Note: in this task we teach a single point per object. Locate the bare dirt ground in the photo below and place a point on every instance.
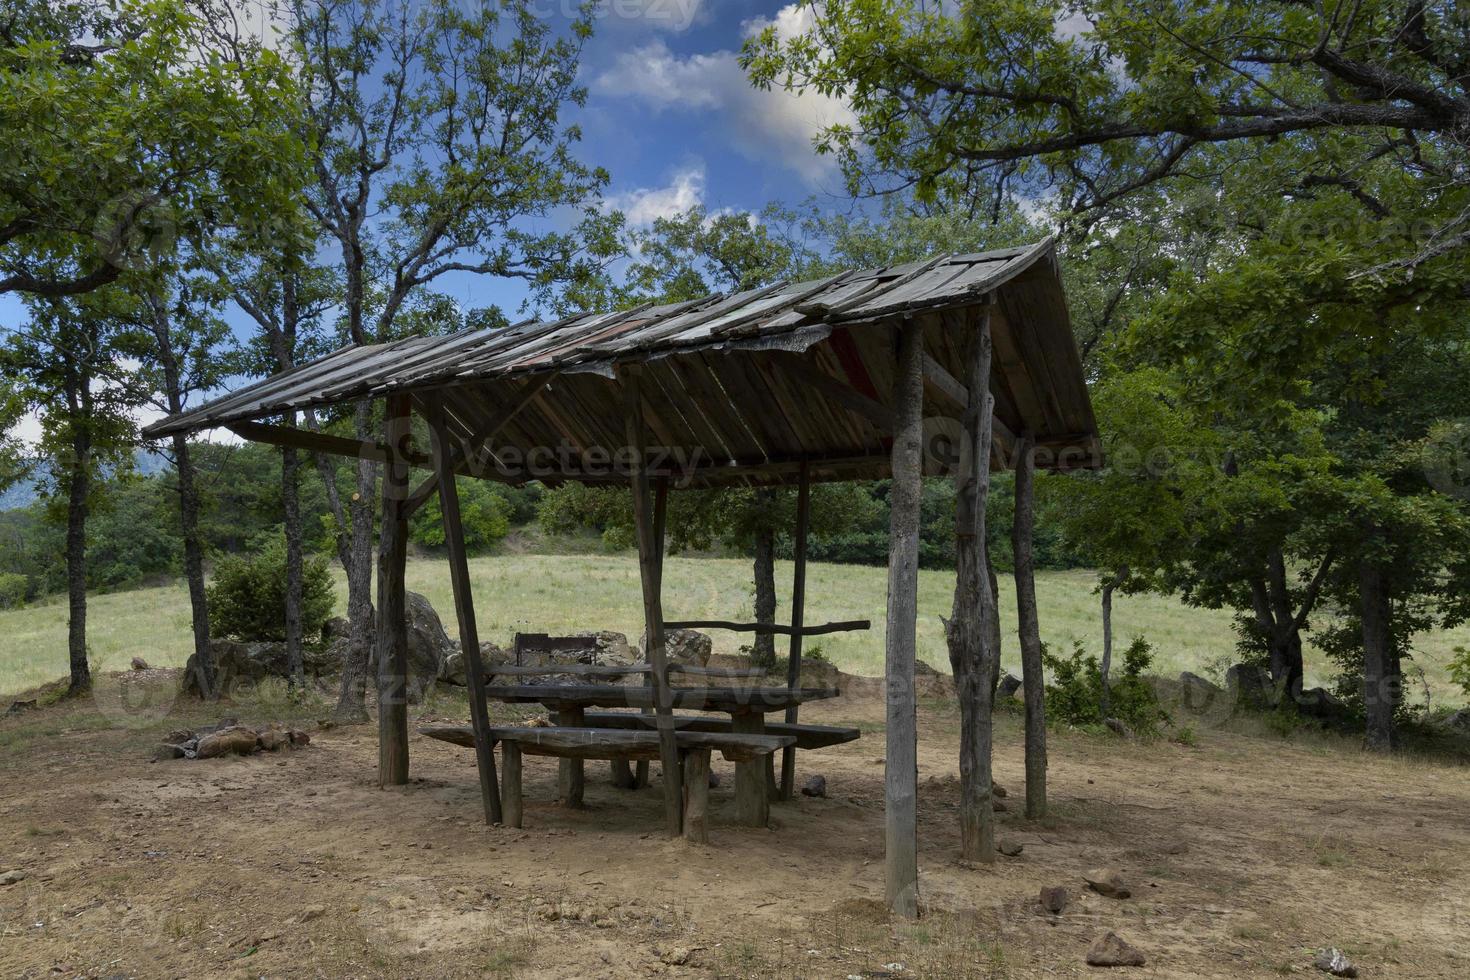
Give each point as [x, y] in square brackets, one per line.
[1245, 854]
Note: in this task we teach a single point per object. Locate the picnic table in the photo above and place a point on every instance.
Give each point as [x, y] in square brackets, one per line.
[746, 706]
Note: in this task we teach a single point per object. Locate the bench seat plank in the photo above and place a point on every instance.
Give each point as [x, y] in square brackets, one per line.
[807, 736]
[605, 743]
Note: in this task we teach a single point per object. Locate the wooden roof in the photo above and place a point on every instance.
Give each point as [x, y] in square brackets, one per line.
[748, 384]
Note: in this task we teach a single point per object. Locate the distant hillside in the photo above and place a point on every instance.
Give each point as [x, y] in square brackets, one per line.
[25, 493]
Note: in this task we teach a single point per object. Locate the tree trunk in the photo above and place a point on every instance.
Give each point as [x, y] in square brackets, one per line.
[1029, 629]
[1380, 680]
[194, 564]
[1107, 654]
[79, 486]
[392, 635]
[352, 700]
[291, 505]
[971, 630]
[763, 653]
[995, 634]
[901, 776]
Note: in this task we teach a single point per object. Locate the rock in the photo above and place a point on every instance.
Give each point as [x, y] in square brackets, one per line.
[677, 956]
[228, 741]
[178, 736]
[428, 647]
[167, 751]
[298, 738]
[1108, 882]
[1322, 704]
[139, 663]
[996, 789]
[1250, 686]
[1334, 962]
[1054, 898]
[1198, 694]
[16, 707]
[1117, 727]
[815, 786]
[1010, 848]
[311, 912]
[1459, 721]
[689, 647]
[996, 806]
[12, 877]
[1113, 950]
[1009, 685]
[714, 780]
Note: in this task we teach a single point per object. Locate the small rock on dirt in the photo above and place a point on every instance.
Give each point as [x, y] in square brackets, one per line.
[273, 740]
[1113, 950]
[16, 707]
[311, 912]
[1009, 685]
[139, 663]
[677, 956]
[1334, 962]
[996, 789]
[1010, 848]
[1117, 727]
[815, 786]
[998, 806]
[1108, 882]
[298, 738]
[1054, 898]
[12, 877]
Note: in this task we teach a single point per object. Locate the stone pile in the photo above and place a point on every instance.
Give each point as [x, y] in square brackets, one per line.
[229, 737]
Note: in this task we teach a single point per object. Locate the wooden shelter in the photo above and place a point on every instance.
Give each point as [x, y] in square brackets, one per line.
[853, 377]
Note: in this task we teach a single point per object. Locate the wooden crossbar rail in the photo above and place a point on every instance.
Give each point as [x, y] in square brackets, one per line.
[575, 670]
[775, 628]
[717, 671]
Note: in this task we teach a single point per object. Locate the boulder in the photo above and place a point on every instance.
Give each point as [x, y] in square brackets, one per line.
[1054, 898]
[237, 662]
[429, 646]
[168, 750]
[689, 647]
[12, 877]
[16, 707]
[1108, 882]
[1113, 950]
[1459, 721]
[1334, 962]
[1009, 685]
[1118, 727]
[815, 786]
[1322, 704]
[1250, 686]
[139, 663]
[1010, 848]
[1197, 694]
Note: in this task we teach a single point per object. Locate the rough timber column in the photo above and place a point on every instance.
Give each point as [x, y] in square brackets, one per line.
[900, 790]
[392, 600]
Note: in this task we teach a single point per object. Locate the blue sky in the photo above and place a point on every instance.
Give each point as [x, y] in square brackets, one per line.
[673, 120]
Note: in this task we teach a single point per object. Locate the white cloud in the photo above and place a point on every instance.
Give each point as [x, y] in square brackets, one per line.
[767, 126]
[665, 15]
[646, 204]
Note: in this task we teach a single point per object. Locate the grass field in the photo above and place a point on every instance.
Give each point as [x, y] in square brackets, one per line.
[569, 593]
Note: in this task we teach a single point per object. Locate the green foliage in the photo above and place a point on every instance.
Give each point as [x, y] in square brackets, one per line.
[13, 590]
[485, 517]
[1460, 668]
[1074, 696]
[247, 599]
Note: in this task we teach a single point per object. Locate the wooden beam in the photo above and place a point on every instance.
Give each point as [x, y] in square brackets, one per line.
[779, 629]
[1029, 629]
[838, 390]
[392, 639]
[798, 615]
[901, 778]
[958, 393]
[650, 566]
[464, 608]
[320, 442]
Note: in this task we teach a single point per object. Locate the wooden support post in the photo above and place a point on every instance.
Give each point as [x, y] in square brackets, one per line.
[798, 614]
[571, 773]
[1029, 628]
[696, 796]
[464, 608]
[510, 753]
[650, 567]
[660, 523]
[972, 629]
[752, 796]
[622, 774]
[392, 650]
[900, 796]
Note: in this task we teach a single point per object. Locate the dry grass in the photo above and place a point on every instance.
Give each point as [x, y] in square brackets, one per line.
[568, 593]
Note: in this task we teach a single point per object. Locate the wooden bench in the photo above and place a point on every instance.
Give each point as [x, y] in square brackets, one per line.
[807, 736]
[617, 745]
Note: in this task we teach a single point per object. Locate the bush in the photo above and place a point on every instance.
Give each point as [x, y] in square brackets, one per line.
[1075, 694]
[13, 589]
[485, 514]
[247, 599]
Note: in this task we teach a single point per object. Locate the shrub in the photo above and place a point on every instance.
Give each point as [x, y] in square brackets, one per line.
[13, 589]
[484, 515]
[1075, 694]
[247, 599]
[1460, 668]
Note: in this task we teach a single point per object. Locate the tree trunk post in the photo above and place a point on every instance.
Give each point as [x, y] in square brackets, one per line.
[696, 796]
[194, 566]
[901, 777]
[1380, 681]
[798, 619]
[392, 602]
[1105, 669]
[972, 629]
[763, 650]
[351, 705]
[650, 567]
[291, 507]
[80, 480]
[1029, 628]
[469, 635]
[660, 524]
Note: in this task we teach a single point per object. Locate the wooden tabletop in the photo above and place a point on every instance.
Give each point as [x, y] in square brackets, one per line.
[732, 700]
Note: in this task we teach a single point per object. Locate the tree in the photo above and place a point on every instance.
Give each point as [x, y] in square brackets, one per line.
[438, 144]
[68, 363]
[124, 126]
